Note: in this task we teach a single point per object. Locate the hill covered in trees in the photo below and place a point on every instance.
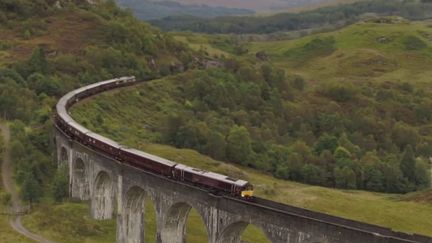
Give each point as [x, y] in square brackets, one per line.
[48, 49]
[358, 127]
[296, 110]
[323, 17]
[147, 9]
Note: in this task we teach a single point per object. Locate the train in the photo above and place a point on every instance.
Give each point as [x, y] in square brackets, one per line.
[213, 182]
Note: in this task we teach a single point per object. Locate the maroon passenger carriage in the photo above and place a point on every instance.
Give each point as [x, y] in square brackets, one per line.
[214, 182]
[147, 162]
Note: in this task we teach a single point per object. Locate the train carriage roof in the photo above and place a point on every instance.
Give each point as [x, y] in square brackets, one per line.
[61, 105]
[213, 175]
[78, 126]
[149, 156]
[104, 139]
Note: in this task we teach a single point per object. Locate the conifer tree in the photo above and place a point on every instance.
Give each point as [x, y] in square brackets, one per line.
[408, 164]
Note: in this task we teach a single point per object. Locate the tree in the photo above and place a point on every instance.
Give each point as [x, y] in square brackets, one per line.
[283, 171]
[422, 174]
[38, 62]
[343, 157]
[394, 181]
[216, 145]
[326, 142]
[408, 164]
[238, 145]
[31, 190]
[313, 174]
[346, 143]
[60, 185]
[404, 134]
[373, 179]
[345, 178]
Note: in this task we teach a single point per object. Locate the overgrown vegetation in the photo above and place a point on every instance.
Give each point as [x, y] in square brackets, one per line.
[79, 227]
[362, 135]
[342, 14]
[256, 117]
[31, 83]
[389, 210]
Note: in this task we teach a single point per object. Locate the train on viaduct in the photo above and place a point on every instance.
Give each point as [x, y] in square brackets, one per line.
[116, 180]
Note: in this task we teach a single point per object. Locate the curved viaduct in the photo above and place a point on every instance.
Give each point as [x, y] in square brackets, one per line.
[116, 190]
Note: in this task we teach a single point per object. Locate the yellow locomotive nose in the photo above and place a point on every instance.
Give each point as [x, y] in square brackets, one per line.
[248, 193]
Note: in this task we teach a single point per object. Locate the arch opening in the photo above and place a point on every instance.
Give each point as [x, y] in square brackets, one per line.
[134, 215]
[150, 220]
[243, 232]
[184, 224]
[103, 199]
[80, 186]
[139, 217]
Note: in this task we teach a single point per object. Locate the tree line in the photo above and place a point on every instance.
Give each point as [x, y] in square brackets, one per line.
[328, 16]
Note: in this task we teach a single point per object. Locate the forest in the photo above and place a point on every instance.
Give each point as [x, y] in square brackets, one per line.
[329, 16]
[266, 119]
[367, 136]
[33, 81]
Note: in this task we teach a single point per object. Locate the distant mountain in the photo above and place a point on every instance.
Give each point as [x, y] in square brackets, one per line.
[147, 9]
[262, 5]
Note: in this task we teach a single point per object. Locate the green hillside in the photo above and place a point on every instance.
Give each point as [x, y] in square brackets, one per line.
[333, 17]
[383, 209]
[398, 50]
[345, 109]
[48, 48]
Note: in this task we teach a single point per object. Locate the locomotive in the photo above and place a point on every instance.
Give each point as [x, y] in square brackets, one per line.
[213, 182]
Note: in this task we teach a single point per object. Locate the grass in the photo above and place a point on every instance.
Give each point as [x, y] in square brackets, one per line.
[201, 42]
[106, 114]
[69, 223]
[7, 234]
[364, 51]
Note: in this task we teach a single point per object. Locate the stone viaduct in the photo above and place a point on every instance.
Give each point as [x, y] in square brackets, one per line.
[115, 190]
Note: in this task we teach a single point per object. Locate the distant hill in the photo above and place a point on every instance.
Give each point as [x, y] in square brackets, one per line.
[146, 10]
[262, 5]
[327, 16]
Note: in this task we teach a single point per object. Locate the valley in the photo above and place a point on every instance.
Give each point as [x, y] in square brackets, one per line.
[106, 113]
[335, 120]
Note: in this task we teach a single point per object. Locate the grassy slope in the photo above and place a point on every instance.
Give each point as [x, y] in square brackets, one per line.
[69, 222]
[143, 112]
[360, 55]
[61, 33]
